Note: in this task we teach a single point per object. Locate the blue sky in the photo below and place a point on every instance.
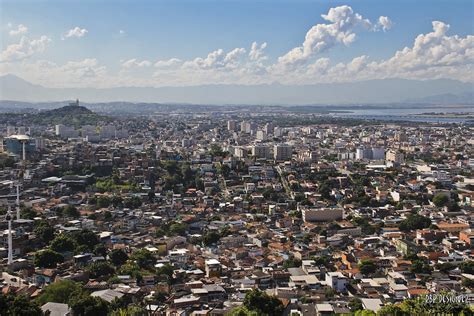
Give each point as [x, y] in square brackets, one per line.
[186, 30]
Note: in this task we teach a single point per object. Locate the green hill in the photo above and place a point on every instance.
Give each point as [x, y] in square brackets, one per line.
[68, 110]
[75, 115]
[72, 115]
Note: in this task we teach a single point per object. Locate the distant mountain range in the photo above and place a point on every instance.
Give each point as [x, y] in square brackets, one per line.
[447, 98]
[440, 91]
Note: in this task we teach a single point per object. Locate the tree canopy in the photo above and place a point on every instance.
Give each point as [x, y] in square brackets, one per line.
[63, 243]
[413, 222]
[101, 269]
[440, 199]
[86, 305]
[118, 257]
[144, 258]
[422, 306]
[262, 303]
[367, 267]
[59, 292]
[18, 305]
[48, 258]
[44, 231]
[86, 237]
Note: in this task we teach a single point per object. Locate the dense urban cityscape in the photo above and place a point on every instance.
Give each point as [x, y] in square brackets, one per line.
[231, 213]
[236, 158]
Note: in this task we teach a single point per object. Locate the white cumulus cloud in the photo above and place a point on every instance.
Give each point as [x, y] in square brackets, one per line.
[131, 63]
[385, 23]
[20, 30]
[75, 32]
[25, 48]
[172, 62]
[434, 49]
[257, 52]
[343, 22]
[217, 59]
[434, 54]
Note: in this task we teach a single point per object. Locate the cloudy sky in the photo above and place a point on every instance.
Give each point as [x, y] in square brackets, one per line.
[180, 43]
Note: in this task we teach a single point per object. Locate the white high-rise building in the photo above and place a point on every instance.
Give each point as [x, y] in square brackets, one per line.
[22, 130]
[231, 125]
[282, 152]
[186, 142]
[11, 130]
[261, 151]
[245, 127]
[373, 153]
[64, 131]
[248, 127]
[240, 152]
[268, 128]
[261, 135]
[58, 129]
[395, 156]
[378, 153]
[360, 153]
[277, 132]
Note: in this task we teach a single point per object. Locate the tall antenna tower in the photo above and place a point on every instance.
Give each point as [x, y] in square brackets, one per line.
[10, 241]
[18, 201]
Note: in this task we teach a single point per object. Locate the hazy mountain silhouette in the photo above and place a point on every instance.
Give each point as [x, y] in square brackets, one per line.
[447, 98]
[372, 91]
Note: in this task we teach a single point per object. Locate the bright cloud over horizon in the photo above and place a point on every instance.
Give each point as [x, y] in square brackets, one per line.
[342, 46]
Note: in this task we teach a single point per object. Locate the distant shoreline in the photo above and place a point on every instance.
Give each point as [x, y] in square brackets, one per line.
[465, 115]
